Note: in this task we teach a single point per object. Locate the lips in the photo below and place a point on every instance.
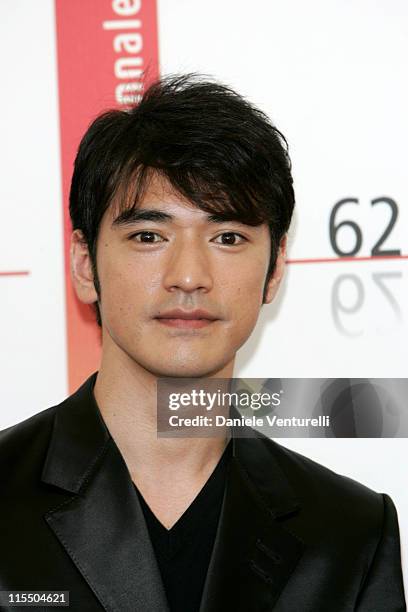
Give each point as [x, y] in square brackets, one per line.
[186, 319]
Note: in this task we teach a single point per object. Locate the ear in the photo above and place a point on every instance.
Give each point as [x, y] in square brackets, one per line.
[274, 281]
[81, 269]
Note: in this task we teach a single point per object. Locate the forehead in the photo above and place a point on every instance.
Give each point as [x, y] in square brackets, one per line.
[158, 194]
[159, 201]
[155, 200]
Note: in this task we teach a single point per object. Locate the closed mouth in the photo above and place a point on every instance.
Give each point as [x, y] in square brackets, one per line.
[192, 319]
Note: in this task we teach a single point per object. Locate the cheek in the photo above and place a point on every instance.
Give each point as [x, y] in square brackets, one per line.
[243, 291]
[125, 291]
[245, 284]
[128, 275]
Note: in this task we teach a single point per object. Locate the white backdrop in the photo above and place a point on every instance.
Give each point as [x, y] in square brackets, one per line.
[332, 76]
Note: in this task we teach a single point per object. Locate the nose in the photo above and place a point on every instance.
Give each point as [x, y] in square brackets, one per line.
[188, 268]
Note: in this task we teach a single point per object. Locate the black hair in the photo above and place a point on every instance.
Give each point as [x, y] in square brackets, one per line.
[214, 147]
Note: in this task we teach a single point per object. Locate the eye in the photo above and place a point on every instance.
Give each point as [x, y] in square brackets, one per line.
[146, 237]
[231, 238]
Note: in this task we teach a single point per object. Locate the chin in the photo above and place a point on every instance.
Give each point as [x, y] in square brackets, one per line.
[178, 370]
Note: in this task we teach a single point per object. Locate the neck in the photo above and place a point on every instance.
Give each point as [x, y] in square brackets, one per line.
[126, 394]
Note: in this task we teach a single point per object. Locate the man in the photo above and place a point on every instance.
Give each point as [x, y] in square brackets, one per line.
[180, 209]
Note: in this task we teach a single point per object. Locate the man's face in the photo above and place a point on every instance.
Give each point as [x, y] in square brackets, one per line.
[172, 256]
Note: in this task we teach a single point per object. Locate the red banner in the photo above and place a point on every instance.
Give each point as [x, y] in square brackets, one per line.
[107, 54]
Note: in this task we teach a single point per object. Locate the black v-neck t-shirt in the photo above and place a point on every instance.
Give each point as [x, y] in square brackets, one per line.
[183, 552]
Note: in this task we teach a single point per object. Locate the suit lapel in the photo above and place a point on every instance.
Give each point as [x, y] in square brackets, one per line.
[253, 555]
[102, 526]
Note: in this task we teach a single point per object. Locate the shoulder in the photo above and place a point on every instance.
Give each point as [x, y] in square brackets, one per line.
[349, 528]
[25, 430]
[25, 444]
[326, 494]
[336, 511]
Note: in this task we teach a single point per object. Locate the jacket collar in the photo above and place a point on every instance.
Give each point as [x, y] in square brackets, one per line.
[253, 554]
[254, 454]
[79, 438]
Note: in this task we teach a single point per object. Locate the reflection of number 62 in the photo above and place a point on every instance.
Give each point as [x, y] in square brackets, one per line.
[338, 307]
[376, 250]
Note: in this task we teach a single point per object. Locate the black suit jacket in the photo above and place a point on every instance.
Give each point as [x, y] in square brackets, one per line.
[293, 536]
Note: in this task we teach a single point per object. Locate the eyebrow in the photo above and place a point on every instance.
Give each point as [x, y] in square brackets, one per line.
[138, 215]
